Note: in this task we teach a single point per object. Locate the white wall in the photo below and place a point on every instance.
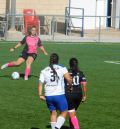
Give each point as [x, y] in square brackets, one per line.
[91, 8]
[118, 14]
[101, 10]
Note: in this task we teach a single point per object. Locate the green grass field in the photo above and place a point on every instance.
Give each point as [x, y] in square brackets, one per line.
[20, 107]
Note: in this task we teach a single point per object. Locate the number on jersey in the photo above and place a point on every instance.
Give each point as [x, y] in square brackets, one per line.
[53, 77]
[76, 80]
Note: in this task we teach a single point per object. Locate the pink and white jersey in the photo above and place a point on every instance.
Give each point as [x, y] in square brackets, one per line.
[32, 43]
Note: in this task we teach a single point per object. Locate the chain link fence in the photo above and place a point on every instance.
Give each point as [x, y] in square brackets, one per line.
[53, 28]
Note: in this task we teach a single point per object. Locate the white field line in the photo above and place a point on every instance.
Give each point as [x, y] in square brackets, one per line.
[112, 62]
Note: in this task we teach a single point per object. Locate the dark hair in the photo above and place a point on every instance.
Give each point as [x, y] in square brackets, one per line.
[54, 58]
[29, 30]
[73, 62]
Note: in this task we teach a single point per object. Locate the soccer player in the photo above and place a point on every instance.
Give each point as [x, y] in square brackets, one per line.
[76, 94]
[29, 53]
[52, 77]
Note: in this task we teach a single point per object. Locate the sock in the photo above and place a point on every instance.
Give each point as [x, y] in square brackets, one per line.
[71, 126]
[27, 72]
[10, 64]
[53, 125]
[60, 122]
[75, 123]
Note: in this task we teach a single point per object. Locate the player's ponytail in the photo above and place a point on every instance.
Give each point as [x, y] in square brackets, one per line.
[73, 62]
[54, 60]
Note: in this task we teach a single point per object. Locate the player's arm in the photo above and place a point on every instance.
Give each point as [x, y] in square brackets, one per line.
[43, 50]
[84, 89]
[42, 47]
[40, 87]
[68, 78]
[19, 44]
[83, 83]
[15, 47]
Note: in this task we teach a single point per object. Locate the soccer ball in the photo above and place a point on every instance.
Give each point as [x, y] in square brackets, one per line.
[15, 75]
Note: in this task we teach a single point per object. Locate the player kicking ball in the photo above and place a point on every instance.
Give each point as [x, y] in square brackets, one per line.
[76, 94]
[52, 78]
[29, 53]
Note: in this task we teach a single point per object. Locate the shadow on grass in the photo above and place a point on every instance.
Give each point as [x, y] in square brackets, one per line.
[21, 76]
[30, 76]
[34, 128]
[63, 127]
[5, 76]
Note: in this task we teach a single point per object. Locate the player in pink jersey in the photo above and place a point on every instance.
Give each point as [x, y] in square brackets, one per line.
[29, 53]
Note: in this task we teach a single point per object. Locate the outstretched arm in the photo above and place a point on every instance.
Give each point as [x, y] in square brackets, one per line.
[16, 46]
[19, 44]
[43, 50]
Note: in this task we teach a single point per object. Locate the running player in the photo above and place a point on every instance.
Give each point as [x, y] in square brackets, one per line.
[52, 77]
[29, 53]
[76, 94]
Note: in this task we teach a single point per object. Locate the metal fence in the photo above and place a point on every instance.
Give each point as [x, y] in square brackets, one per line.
[53, 28]
[3, 26]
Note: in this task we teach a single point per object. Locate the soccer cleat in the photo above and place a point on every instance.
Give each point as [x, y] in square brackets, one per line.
[4, 66]
[25, 78]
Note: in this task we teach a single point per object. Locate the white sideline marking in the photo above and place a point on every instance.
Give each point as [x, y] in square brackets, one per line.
[112, 62]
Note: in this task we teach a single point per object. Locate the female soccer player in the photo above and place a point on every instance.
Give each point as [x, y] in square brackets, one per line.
[52, 77]
[29, 53]
[76, 94]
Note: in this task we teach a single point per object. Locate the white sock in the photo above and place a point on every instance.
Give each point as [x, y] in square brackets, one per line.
[53, 125]
[60, 122]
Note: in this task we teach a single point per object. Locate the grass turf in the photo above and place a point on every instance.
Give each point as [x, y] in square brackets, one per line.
[20, 107]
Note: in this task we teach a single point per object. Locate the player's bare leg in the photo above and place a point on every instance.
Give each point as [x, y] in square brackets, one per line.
[53, 119]
[29, 61]
[61, 120]
[18, 62]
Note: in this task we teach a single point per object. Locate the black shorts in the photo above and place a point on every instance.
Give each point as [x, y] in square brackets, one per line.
[74, 100]
[25, 55]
